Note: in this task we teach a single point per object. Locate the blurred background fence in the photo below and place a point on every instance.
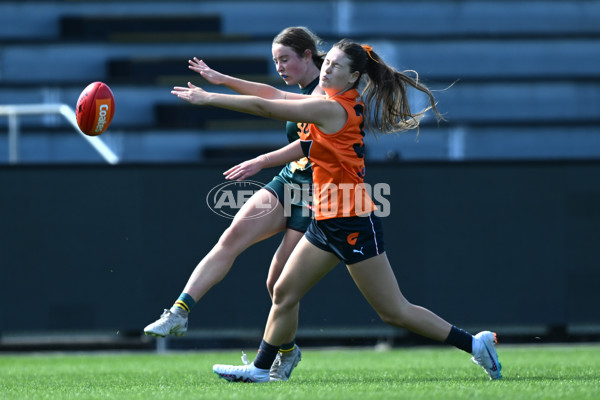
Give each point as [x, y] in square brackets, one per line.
[511, 246]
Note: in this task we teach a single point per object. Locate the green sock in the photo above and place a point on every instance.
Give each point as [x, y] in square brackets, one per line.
[185, 302]
[287, 347]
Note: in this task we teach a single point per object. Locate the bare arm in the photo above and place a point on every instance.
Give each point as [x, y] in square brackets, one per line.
[240, 86]
[291, 152]
[329, 115]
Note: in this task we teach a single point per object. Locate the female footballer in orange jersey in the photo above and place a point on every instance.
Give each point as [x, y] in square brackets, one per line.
[297, 60]
[333, 142]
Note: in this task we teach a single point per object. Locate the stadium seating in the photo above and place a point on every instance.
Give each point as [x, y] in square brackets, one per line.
[524, 76]
[138, 28]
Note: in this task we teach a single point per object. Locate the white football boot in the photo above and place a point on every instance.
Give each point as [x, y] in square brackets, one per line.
[284, 364]
[247, 373]
[173, 321]
[484, 354]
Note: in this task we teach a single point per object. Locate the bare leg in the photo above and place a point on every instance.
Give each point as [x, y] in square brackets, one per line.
[377, 282]
[289, 242]
[243, 232]
[306, 266]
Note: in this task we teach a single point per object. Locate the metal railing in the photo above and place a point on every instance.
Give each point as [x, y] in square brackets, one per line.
[14, 111]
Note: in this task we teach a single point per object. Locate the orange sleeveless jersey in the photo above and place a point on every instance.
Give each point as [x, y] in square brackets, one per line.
[338, 164]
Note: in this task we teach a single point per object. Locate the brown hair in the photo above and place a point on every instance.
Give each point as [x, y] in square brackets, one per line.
[299, 39]
[385, 90]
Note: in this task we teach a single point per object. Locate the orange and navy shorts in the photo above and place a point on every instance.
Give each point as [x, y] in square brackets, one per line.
[351, 239]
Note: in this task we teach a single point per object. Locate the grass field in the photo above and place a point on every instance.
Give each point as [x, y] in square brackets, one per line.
[529, 372]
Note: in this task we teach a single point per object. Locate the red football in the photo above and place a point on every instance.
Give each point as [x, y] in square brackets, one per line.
[95, 108]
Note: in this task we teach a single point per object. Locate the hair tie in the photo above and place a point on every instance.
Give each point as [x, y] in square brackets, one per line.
[369, 49]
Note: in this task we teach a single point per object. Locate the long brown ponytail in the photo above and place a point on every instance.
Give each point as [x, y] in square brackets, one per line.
[385, 93]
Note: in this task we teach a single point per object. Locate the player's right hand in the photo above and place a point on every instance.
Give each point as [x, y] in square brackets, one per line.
[245, 169]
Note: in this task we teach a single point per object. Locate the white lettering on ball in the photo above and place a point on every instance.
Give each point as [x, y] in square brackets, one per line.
[102, 117]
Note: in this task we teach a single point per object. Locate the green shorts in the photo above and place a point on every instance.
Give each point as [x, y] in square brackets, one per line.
[287, 186]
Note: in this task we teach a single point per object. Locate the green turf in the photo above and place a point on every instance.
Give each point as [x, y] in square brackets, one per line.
[530, 372]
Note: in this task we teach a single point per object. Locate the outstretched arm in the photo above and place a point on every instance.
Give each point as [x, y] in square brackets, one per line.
[240, 86]
[308, 109]
[291, 152]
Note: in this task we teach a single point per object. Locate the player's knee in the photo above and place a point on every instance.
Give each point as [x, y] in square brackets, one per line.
[274, 274]
[282, 298]
[392, 319]
[271, 286]
[397, 316]
[235, 239]
[230, 236]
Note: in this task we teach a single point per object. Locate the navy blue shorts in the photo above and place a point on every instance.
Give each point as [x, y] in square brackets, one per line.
[351, 239]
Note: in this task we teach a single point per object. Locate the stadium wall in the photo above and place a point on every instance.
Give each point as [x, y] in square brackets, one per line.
[483, 244]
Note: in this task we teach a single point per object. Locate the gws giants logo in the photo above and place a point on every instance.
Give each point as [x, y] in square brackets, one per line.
[351, 239]
[227, 198]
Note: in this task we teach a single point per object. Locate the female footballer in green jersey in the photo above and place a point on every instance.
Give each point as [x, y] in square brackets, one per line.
[298, 62]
